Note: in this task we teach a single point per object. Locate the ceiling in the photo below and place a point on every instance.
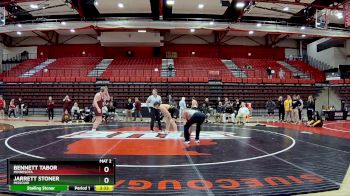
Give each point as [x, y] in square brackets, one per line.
[263, 10]
[284, 12]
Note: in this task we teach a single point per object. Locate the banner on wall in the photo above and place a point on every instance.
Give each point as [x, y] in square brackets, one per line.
[347, 13]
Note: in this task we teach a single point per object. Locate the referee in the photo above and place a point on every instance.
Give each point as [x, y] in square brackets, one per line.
[155, 115]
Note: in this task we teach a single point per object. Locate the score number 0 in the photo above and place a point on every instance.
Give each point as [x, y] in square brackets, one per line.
[106, 170]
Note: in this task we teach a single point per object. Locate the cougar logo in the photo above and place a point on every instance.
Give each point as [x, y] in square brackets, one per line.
[137, 141]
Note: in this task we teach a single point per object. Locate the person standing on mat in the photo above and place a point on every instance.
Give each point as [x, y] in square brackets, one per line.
[12, 108]
[99, 98]
[155, 115]
[280, 104]
[310, 107]
[2, 108]
[138, 108]
[67, 104]
[169, 112]
[50, 106]
[191, 117]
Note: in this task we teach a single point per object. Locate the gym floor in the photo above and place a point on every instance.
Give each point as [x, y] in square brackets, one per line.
[255, 159]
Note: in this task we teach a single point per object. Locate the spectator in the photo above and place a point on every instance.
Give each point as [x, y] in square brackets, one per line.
[310, 107]
[183, 106]
[300, 107]
[112, 101]
[75, 111]
[67, 104]
[205, 110]
[2, 108]
[237, 105]
[270, 107]
[288, 109]
[171, 101]
[242, 114]
[228, 111]
[137, 106]
[269, 73]
[194, 104]
[50, 107]
[12, 108]
[282, 74]
[111, 111]
[128, 112]
[280, 103]
[217, 102]
[104, 110]
[20, 107]
[295, 109]
[66, 118]
[219, 112]
[316, 120]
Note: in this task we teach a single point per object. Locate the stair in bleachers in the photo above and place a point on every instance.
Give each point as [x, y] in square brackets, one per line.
[100, 68]
[295, 71]
[235, 70]
[38, 68]
[165, 71]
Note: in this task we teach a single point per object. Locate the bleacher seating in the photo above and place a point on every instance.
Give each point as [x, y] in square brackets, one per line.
[259, 67]
[314, 73]
[22, 68]
[133, 69]
[73, 69]
[342, 87]
[199, 69]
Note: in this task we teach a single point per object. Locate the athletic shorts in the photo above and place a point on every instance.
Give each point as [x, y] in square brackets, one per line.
[96, 112]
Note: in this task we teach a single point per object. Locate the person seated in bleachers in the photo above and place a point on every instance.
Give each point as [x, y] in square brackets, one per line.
[75, 111]
[269, 73]
[316, 120]
[242, 115]
[66, 118]
[219, 112]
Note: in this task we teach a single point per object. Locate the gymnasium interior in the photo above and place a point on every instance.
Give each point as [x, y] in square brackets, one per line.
[213, 54]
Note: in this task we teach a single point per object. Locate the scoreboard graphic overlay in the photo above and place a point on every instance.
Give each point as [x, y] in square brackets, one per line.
[61, 175]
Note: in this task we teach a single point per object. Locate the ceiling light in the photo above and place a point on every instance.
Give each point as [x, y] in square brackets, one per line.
[251, 32]
[193, 30]
[200, 6]
[258, 25]
[63, 23]
[72, 30]
[303, 35]
[339, 15]
[19, 25]
[286, 9]
[211, 22]
[170, 2]
[120, 5]
[96, 3]
[240, 5]
[34, 6]
[302, 28]
[19, 33]
[142, 31]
